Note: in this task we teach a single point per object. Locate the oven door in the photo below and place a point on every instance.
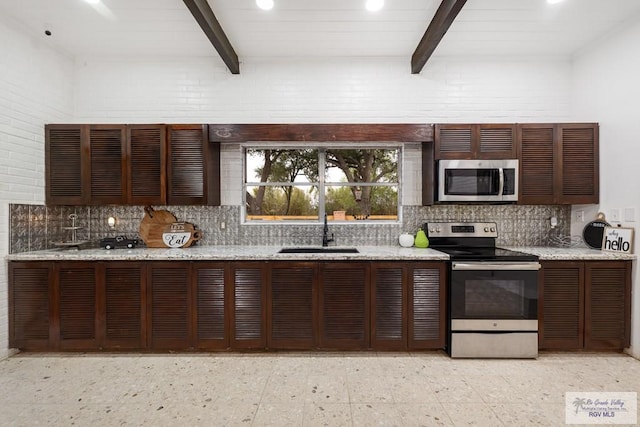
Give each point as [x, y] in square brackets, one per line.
[493, 309]
[506, 291]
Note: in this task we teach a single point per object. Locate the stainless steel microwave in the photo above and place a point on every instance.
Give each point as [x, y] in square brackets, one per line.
[478, 180]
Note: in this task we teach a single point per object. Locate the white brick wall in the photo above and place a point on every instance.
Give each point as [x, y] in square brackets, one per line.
[36, 87]
[332, 90]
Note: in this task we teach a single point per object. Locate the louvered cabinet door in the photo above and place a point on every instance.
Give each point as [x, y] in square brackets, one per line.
[607, 305]
[76, 289]
[65, 171]
[455, 141]
[212, 319]
[561, 305]
[169, 306]
[29, 305]
[344, 305]
[123, 306]
[248, 317]
[146, 154]
[497, 141]
[389, 302]
[186, 167]
[579, 163]
[427, 306]
[291, 306]
[107, 172]
[536, 151]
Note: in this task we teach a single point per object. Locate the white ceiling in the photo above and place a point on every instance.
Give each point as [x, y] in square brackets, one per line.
[319, 28]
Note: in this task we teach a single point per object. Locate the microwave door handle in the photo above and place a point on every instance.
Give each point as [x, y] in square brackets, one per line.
[501, 183]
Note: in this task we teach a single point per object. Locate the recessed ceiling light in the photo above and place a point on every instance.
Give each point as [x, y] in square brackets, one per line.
[553, 1]
[92, 1]
[374, 5]
[265, 4]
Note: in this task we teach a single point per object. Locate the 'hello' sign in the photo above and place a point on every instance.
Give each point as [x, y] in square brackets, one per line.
[617, 239]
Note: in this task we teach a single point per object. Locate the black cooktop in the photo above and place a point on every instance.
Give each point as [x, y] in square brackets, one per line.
[471, 241]
[461, 253]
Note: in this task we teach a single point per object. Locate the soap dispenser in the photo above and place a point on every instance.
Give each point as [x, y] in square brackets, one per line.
[421, 239]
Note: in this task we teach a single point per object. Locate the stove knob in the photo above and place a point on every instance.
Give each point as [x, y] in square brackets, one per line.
[493, 229]
[486, 229]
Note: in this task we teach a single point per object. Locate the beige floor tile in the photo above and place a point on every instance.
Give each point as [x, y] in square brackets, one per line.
[368, 387]
[418, 415]
[327, 388]
[376, 414]
[327, 414]
[246, 389]
[279, 415]
[473, 414]
[332, 389]
[454, 388]
[285, 388]
[411, 388]
[496, 389]
[526, 414]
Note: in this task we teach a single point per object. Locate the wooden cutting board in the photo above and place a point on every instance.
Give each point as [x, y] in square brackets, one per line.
[153, 224]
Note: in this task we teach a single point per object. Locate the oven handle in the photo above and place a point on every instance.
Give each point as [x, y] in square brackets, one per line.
[503, 266]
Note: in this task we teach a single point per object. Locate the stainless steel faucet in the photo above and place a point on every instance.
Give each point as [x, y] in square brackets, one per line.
[325, 233]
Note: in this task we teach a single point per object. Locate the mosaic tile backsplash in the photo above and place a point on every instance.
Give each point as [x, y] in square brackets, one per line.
[37, 227]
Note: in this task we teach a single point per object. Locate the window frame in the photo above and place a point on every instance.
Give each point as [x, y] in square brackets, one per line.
[322, 183]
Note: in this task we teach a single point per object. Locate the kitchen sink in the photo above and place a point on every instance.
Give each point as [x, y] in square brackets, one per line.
[318, 250]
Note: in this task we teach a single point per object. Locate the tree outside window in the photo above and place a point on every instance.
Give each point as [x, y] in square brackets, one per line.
[355, 184]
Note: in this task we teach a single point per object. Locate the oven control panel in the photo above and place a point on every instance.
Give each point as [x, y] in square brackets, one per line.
[461, 229]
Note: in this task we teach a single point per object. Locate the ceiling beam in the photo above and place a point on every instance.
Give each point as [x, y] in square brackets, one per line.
[205, 17]
[442, 20]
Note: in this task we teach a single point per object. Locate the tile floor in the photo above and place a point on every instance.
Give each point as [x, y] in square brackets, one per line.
[301, 389]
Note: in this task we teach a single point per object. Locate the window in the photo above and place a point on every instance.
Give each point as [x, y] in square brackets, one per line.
[358, 183]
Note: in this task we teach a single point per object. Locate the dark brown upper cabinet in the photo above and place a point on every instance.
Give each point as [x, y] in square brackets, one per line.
[146, 166]
[193, 166]
[131, 165]
[558, 163]
[65, 172]
[475, 141]
[107, 157]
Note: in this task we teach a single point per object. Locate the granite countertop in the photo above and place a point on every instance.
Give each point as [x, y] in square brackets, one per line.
[251, 253]
[227, 253]
[576, 254]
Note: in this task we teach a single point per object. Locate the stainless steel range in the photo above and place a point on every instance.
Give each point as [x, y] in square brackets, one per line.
[492, 292]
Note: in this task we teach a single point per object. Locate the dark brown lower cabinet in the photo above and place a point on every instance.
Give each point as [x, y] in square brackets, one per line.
[75, 285]
[30, 305]
[344, 305]
[389, 302]
[585, 305]
[202, 305]
[427, 307]
[121, 315]
[409, 305]
[169, 307]
[248, 301]
[211, 319]
[292, 301]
